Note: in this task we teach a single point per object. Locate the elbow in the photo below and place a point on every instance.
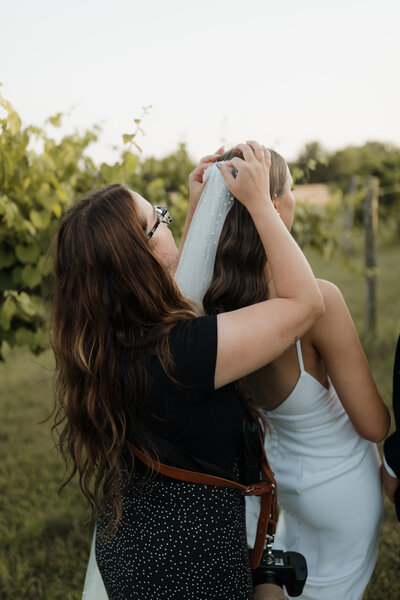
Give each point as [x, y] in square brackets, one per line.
[385, 427]
[380, 429]
[320, 306]
[376, 438]
[316, 306]
[310, 309]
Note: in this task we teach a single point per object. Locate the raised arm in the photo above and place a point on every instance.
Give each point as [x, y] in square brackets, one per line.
[335, 338]
[253, 336]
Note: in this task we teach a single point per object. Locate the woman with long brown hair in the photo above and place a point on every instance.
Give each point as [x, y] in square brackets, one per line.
[322, 407]
[136, 369]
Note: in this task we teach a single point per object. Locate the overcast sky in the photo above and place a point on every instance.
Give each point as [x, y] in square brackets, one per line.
[283, 72]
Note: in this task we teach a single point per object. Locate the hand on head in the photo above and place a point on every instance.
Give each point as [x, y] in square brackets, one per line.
[251, 184]
[196, 183]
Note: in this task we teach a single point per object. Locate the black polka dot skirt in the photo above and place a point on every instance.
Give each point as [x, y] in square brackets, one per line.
[177, 541]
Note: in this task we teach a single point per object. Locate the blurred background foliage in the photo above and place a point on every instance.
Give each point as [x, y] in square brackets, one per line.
[42, 177]
[44, 539]
[374, 159]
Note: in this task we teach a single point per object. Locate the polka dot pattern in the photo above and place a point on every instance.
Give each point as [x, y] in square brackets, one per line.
[177, 540]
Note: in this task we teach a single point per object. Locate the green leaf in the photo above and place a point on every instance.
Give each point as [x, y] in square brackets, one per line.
[24, 337]
[6, 281]
[62, 195]
[45, 265]
[311, 164]
[16, 275]
[55, 120]
[28, 226]
[128, 137]
[8, 310]
[14, 123]
[40, 219]
[10, 211]
[6, 259]
[27, 254]
[31, 276]
[4, 350]
[130, 162]
[47, 200]
[26, 305]
[57, 210]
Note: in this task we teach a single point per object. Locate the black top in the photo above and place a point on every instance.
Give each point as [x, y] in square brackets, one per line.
[391, 446]
[192, 415]
[392, 443]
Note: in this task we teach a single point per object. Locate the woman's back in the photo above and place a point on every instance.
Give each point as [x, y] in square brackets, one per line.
[313, 424]
[330, 349]
[281, 376]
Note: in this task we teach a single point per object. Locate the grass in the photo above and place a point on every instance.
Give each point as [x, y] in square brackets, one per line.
[45, 539]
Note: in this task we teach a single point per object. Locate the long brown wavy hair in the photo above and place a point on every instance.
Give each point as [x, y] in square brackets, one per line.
[238, 278]
[114, 305]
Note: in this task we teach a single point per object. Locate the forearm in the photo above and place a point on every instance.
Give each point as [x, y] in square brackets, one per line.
[268, 591]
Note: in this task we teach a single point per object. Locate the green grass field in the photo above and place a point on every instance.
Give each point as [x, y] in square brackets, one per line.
[45, 539]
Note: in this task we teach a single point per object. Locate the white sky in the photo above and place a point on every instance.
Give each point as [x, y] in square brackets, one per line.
[284, 72]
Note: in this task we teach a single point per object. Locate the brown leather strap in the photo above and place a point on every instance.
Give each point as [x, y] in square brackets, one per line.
[256, 489]
[269, 475]
[266, 489]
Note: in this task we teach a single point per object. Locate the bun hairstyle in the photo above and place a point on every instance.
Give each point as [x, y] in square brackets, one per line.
[239, 270]
[114, 304]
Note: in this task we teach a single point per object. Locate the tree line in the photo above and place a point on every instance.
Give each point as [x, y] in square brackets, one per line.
[40, 178]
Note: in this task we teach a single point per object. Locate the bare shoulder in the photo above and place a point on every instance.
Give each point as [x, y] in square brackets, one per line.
[335, 304]
[330, 292]
[336, 317]
[335, 338]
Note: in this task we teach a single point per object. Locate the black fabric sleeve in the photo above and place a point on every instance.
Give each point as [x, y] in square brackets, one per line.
[194, 348]
[392, 452]
[391, 445]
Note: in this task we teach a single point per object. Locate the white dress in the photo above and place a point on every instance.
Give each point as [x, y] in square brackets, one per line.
[329, 490]
[94, 587]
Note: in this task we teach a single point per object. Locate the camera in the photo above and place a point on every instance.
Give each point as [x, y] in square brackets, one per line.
[287, 569]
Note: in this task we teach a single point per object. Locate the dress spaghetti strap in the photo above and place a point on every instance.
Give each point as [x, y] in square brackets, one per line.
[300, 356]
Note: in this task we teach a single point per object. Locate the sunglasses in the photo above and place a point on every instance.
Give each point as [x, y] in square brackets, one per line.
[163, 216]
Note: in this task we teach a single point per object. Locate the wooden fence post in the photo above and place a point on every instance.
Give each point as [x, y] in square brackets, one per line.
[349, 215]
[371, 228]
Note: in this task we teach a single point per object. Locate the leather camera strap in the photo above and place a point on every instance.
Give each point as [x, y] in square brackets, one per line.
[266, 489]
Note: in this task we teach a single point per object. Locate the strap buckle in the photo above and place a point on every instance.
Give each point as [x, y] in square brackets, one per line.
[258, 489]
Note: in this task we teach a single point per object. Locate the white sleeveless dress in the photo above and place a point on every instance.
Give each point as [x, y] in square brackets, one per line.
[329, 490]
[93, 588]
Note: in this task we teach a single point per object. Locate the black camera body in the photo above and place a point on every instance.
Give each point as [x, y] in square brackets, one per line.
[287, 569]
